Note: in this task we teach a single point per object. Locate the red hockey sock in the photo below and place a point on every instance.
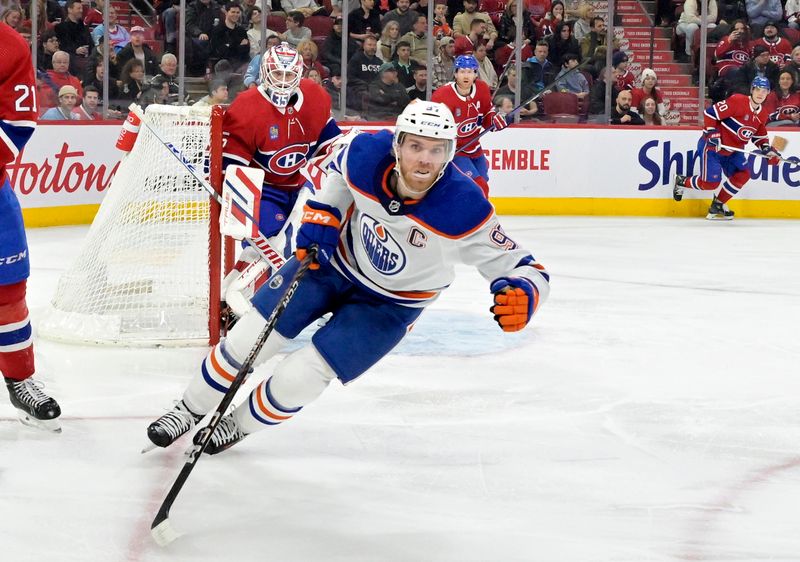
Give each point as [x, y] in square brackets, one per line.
[16, 343]
[696, 182]
[724, 196]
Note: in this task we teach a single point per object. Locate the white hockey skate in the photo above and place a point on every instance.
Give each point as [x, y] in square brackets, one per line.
[226, 435]
[168, 428]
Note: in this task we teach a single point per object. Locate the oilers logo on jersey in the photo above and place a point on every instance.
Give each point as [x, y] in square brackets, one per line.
[384, 253]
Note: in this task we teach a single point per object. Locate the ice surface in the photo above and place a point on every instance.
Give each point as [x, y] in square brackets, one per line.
[651, 413]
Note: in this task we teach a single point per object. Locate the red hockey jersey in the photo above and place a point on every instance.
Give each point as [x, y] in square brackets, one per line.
[779, 107]
[256, 133]
[780, 51]
[18, 109]
[737, 121]
[471, 112]
[731, 55]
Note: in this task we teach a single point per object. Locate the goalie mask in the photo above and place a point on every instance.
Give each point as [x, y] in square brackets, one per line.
[281, 72]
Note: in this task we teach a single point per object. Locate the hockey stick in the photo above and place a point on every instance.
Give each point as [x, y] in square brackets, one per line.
[259, 242]
[161, 529]
[791, 160]
[517, 109]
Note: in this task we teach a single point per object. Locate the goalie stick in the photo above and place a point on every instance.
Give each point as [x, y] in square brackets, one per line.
[161, 529]
[259, 242]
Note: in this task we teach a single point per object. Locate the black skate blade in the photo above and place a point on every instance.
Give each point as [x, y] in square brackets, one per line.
[52, 426]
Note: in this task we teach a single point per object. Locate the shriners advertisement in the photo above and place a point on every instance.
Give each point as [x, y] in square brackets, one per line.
[65, 165]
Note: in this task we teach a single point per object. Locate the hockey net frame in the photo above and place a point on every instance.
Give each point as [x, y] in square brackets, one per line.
[115, 293]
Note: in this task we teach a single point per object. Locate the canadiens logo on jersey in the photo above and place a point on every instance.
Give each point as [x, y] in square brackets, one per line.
[288, 160]
[745, 133]
[468, 126]
[384, 253]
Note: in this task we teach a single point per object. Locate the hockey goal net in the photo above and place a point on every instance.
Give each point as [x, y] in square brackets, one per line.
[150, 268]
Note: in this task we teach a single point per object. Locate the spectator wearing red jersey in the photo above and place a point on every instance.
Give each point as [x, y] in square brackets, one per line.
[783, 103]
[465, 44]
[462, 23]
[547, 26]
[538, 10]
[624, 77]
[648, 90]
[94, 16]
[733, 51]
[50, 83]
[89, 110]
[780, 50]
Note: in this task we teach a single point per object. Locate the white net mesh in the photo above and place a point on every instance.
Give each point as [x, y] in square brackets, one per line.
[142, 277]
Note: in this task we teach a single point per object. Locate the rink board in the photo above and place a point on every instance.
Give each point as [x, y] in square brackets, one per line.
[63, 173]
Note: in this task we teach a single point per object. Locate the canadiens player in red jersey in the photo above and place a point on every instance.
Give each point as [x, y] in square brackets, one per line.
[470, 101]
[17, 122]
[277, 127]
[392, 221]
[729, 123]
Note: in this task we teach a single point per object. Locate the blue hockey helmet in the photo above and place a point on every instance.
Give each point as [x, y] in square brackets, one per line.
[465, 61]
[760, 82]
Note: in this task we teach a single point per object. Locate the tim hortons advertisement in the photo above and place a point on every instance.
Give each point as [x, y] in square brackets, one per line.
[67, 165]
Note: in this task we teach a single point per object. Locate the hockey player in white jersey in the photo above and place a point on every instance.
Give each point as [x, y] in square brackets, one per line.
[392, 220]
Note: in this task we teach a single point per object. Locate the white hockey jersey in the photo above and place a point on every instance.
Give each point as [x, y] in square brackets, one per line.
[405, 250]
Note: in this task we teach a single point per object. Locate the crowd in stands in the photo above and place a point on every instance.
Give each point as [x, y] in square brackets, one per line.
[746, 38]
[387, 52]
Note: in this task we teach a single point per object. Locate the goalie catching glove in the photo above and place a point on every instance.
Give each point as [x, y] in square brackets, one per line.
[514, 302]
[320, 228]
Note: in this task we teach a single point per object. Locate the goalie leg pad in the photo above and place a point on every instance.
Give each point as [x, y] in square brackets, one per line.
[225, 359]
[247, 276]
[16, 341]
[298, 380]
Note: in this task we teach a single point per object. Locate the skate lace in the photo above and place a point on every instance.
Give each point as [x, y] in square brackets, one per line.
[176, 422]
[30, 392]
[226, 431]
